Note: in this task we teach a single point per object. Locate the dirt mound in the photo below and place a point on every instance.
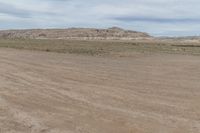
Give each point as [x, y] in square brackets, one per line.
[114, 33]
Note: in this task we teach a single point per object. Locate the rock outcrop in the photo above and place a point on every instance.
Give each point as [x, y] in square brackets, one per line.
[113, 33]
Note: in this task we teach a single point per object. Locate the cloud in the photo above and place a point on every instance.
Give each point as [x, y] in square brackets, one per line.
[12, 10]
[158, 17]
[156, 20]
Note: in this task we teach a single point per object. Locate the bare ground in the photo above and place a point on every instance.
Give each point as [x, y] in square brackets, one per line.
[44, 92]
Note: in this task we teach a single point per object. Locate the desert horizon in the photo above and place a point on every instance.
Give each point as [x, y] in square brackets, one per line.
[133, 67]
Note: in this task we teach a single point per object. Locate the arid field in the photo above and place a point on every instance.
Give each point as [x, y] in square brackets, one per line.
[62, 86]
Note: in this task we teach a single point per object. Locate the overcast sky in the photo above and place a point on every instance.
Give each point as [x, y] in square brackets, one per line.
[157, 17]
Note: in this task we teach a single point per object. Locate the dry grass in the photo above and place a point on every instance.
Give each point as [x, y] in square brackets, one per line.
[102, 48]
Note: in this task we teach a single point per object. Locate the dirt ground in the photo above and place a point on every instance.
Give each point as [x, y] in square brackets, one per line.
[43, 92]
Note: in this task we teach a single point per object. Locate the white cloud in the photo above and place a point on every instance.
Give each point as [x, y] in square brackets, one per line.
[158, 17]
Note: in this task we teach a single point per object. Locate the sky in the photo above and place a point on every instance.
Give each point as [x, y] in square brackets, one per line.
[156, 17]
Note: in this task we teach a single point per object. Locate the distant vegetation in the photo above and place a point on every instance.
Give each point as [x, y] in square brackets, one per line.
[102, 48]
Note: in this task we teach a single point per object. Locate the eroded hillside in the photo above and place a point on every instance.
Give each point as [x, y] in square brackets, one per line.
[75, 33]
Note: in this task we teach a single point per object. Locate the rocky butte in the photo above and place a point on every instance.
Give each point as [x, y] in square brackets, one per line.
[113, 33]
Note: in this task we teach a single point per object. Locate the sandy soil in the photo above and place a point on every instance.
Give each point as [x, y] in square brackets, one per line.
[44, 92]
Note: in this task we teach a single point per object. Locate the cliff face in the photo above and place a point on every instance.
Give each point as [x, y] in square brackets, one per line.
[75, 33]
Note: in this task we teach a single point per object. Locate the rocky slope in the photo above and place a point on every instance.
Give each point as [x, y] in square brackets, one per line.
[75, 33]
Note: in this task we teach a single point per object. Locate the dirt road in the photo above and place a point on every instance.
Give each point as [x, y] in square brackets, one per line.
[43, 92]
